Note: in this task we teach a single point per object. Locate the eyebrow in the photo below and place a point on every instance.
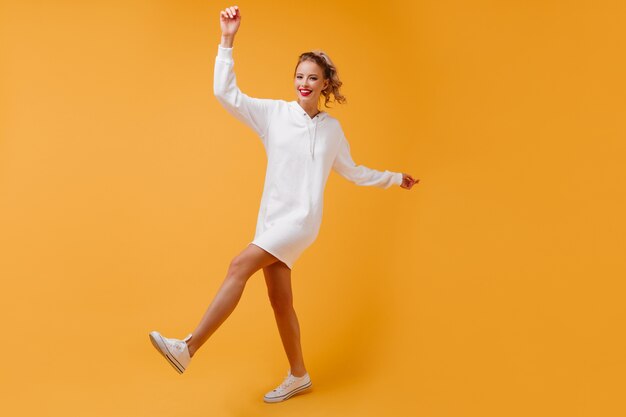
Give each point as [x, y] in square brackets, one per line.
[299, 73]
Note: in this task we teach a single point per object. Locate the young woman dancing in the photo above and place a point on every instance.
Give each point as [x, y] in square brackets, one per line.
[302, 144]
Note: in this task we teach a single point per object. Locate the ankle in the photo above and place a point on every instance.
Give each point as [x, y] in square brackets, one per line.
[191, 348]
[298, 372]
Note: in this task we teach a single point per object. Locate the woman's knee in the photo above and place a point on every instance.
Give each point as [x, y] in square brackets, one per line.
[281, 303]
[239, 269]
[250, 260]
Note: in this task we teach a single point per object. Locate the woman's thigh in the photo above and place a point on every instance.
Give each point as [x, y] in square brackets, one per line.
[251, 259]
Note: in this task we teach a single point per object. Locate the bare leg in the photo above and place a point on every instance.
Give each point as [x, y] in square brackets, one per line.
[278, 281]
[242, 267]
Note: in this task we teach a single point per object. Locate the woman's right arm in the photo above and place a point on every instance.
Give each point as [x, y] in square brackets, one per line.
[254, 112]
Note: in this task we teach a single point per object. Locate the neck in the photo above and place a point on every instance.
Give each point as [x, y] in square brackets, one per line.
[309, 108]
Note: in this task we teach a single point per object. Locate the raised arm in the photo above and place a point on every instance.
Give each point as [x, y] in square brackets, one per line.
[254, 112]
[362, 175]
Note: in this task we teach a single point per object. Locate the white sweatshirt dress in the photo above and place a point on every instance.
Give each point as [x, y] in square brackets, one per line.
[300, 154]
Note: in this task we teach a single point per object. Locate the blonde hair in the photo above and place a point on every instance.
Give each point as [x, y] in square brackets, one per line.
[330, 73]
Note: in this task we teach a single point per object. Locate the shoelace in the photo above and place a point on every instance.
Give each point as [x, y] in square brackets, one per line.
[177, 344]
[286, 383]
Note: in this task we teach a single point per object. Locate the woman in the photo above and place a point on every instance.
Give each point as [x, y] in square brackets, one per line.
[302, 144]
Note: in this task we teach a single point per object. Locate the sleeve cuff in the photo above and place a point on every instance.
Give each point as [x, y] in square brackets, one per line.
[225, 54]
[399, 177]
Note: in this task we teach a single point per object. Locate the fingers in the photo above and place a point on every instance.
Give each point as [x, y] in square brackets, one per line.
[230, 12]
[409, 181]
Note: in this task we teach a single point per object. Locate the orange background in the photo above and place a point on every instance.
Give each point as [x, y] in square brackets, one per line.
[495, 287]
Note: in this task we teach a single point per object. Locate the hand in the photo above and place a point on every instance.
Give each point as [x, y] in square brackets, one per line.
[408, 181]
[230, 19]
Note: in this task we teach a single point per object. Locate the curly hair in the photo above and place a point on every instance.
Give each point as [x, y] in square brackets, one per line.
[330, 73]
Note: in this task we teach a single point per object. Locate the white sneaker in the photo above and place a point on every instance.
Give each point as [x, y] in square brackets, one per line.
[175, 351]
[291, 386]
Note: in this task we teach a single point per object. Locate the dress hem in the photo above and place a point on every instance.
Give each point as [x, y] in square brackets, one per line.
[273, 253]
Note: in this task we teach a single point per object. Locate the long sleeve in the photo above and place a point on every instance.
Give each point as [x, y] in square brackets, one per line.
[359, 174]
[254, 112]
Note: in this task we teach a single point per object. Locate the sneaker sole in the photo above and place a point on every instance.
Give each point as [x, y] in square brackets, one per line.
[159, 344]
[291, 394]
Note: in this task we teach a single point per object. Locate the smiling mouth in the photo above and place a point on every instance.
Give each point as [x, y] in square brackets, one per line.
[305, 92]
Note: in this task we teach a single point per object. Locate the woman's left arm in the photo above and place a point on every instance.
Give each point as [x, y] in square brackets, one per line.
[362, 175]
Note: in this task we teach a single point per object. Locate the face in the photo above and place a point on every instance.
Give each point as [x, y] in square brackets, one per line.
[309, 77]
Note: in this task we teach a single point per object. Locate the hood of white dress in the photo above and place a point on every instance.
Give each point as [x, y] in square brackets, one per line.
[321, 115]
[311, 123]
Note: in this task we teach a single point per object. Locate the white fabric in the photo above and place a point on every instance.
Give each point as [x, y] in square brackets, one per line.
[301, 151]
